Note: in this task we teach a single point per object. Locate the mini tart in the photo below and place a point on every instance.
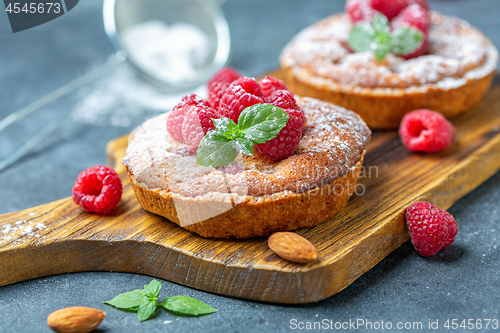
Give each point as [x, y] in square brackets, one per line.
[253, 196]
[451, 77]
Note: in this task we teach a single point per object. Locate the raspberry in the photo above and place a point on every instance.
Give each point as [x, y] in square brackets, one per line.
[359, 10]
[422, 3]
[288, 138]
[426, 131]
[176, 117]
[97, 189]
[414, 16]
[227, 74]
[271, 84]
[197, 122]
[241, 94]
[431, 228]
[215, 92]
[389, 8]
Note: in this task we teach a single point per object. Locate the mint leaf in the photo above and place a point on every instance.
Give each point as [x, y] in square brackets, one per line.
[381, 25]
[152, 290]
[244, 146]
[129, 301]
[381, 46]
[361, 37]
[187, 306]
[146, 310]
[406, 40]
[215, 150]
[227, 127]
[262, 122]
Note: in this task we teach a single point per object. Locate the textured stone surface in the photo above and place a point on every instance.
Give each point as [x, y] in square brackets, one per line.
[461, 282]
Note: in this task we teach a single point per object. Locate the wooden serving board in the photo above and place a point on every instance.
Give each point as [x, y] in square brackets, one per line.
[368, 229]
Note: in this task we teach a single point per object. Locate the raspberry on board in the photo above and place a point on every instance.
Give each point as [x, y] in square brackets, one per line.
[97, 189]
[227, 74]
[426, 131]
[241, 94]
[359, 10]
[176, 116]
[287, 140]
[215, 92]
[197, 123]
[431, 228]
[269, 85]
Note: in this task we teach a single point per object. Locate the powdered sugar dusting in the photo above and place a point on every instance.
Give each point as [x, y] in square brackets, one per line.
[20, 231]
[456, 53]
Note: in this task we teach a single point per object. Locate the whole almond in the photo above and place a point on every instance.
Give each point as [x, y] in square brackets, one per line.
[292, 247]
[77, 319]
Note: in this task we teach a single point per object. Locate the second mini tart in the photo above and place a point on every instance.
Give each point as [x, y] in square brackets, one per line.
[451, 77]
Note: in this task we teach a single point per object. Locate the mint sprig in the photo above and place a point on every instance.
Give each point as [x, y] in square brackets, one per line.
[377, 37]
[256, 124]
[145, 303]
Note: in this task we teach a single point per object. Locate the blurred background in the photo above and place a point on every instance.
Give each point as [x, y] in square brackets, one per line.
[37, 61]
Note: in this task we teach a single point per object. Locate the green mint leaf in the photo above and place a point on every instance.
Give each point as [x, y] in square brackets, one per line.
[215, 150]
[226, 127]
[187, 306]
[129, 301]
[152, 290]
[244, 146]
[406, 40]
[381, 47]
[146, 310]
[262, 122]
[361, 37]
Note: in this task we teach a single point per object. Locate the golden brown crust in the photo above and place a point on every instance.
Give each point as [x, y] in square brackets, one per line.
[260, 216]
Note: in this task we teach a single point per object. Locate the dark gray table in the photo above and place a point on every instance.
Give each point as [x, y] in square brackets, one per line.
[459, 283]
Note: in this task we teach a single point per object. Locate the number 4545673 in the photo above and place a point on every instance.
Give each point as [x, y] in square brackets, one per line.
[33, 8]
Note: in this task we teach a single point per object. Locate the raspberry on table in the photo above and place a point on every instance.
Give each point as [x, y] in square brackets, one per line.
[426, 131]
[287, 140]
[359, 10]
[197, 123]
[242, 93]
[227, 74]
[269, 85]
[215, 92]
[97, 189]
[431, 228]
[176, 116]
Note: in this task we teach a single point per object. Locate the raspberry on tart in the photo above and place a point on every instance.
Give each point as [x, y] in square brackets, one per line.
[426, 131]
[227, 74]
[197, 122]
[414, 16]
[176, 118]
[359, 10]
[269, 85]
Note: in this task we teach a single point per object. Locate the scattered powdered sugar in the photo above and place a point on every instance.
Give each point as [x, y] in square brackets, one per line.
[173, 53]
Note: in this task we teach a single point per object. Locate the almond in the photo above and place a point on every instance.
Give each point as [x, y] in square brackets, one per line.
[77, 319]
[292, 247]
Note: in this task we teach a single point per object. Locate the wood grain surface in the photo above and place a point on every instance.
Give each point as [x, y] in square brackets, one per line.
[60, 237]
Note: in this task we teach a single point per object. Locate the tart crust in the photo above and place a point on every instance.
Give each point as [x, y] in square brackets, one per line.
[452, 77]
[304, 190]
